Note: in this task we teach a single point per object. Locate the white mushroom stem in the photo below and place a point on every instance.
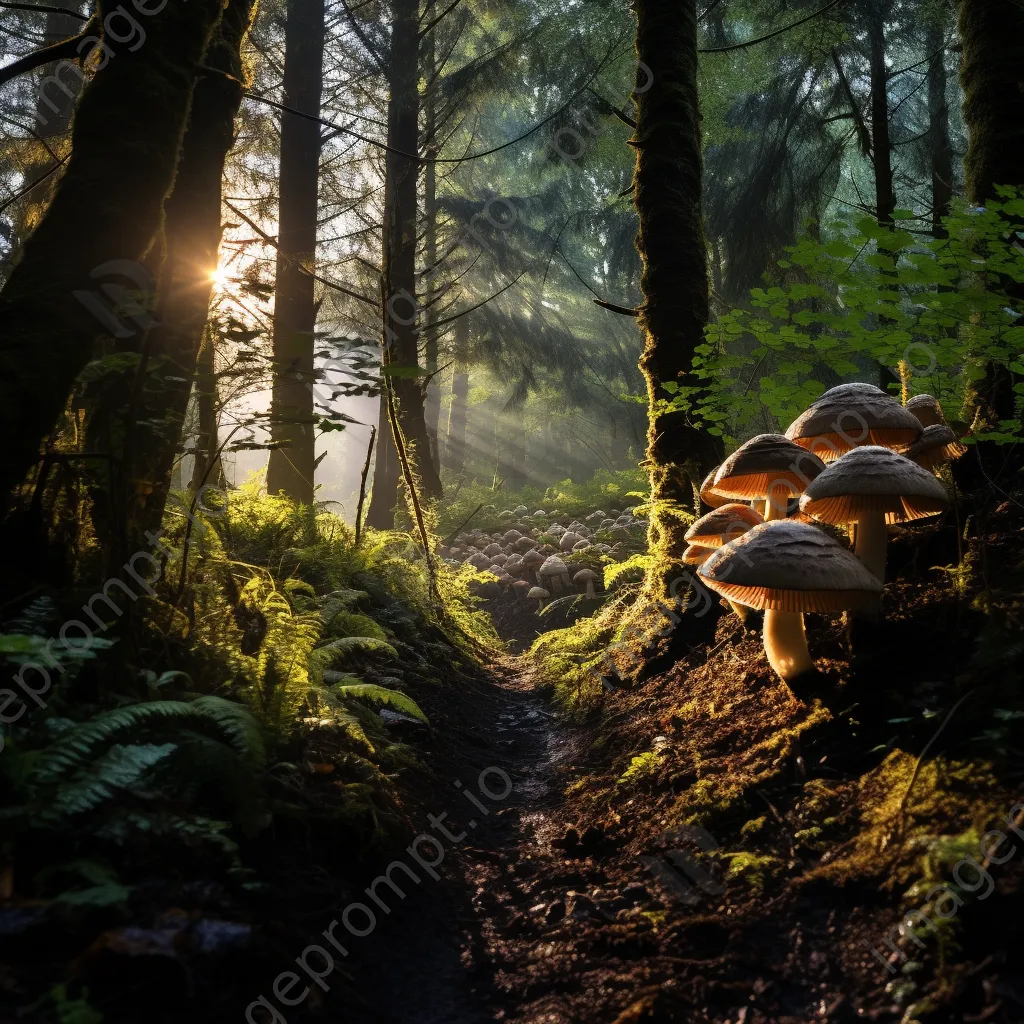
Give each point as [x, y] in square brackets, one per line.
[785, 643]
[590, 590]
[777, 502]
[871, 541]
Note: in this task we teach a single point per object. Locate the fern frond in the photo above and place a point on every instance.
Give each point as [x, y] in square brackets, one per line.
[117, 769]
[382, 695]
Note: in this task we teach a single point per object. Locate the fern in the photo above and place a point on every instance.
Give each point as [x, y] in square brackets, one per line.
[381, 695]
[78, 745]
[346, 645]
[117, 769]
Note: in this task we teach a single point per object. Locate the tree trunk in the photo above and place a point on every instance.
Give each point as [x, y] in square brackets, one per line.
[460, 395]
[203, 470]
[672, 248]
[108, 207]
[432, 407]
[881, 146]
[400, 356]
[291, 466]
[193, 233]
[939, 145]
[992, 80]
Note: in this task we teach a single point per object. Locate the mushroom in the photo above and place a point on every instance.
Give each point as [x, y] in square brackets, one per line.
[479, 561]
[581, 545]
[568, 539]
[521, 588]
[707, 491]
[538, 594]
[787, 568]
[769, 467]
[492, 549]
[850, 416]
[533, 560]
[525, 544]
[723, 525]
[872, 486]
[520, 510]
[511, 536]
[499, 559]
[696, 555]
[927, 410]
[937, 445]
[586, 577]
[555, 573]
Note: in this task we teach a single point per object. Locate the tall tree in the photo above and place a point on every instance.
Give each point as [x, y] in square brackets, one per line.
[670, 241]
[293, 459]
[992, 77]
[110, 202]
[403, 391]
[457, 410]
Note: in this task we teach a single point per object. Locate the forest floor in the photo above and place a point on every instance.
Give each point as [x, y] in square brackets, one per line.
[707, 846]
[812, 829]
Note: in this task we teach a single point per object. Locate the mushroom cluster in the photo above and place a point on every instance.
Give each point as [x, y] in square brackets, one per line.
[534, 556]
[856, 457]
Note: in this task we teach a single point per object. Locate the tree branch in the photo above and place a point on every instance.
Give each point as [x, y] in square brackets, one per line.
[40, 58]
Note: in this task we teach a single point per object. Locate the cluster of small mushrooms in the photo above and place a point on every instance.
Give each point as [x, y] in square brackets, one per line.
[856, 457]
[528, 559]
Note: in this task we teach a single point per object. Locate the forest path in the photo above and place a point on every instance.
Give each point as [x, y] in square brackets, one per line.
[445, 955]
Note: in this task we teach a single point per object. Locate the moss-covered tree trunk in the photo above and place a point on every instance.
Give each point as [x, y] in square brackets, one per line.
[671, 245]
[940, 148]
[192, 240]
[992, 79]
[400, 342]
[126, 140]
[291, 466]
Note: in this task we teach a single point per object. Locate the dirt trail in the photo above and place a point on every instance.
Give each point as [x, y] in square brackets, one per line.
[441, 957]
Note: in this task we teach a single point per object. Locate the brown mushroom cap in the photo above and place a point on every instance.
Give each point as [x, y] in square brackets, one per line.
[927, 410]
[538, 594]
[765, 461]
[937, 445]
[695, 554]
[854, 388]
[835, 424]
[585, 575]
[792, 567]
[873, 480]
[723, 525]
[532, 559]
[707, 491]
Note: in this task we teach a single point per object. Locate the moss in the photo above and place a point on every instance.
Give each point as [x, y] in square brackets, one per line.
[753, 826]
[754, 869]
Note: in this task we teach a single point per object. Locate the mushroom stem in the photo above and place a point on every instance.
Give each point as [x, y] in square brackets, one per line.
[871, 541]
[590, 590]
[540, 605]
[785, 643]
[776, 505]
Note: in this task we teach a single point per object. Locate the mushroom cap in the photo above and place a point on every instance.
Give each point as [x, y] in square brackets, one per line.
[696, 554]
[936, 445]
[532, 559]
[538, 593]
[492, 549]
[553, 566]
[854, 388]
[870, 480]
[521, 586]
[835, 424]
[723, 525]
[479, 561]
[525, 544]
[707, 491]
[511, 537]
[585, 576]
[789, 566]
[568, 539]
[763, 462]
[927, 410]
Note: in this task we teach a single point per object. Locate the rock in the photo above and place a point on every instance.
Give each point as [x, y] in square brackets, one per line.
[555, 912]
[216, 937]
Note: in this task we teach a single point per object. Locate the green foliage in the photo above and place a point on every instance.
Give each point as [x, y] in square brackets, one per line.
[865, 295]
[381, 695]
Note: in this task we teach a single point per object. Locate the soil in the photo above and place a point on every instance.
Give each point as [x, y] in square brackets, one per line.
[709, 846]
